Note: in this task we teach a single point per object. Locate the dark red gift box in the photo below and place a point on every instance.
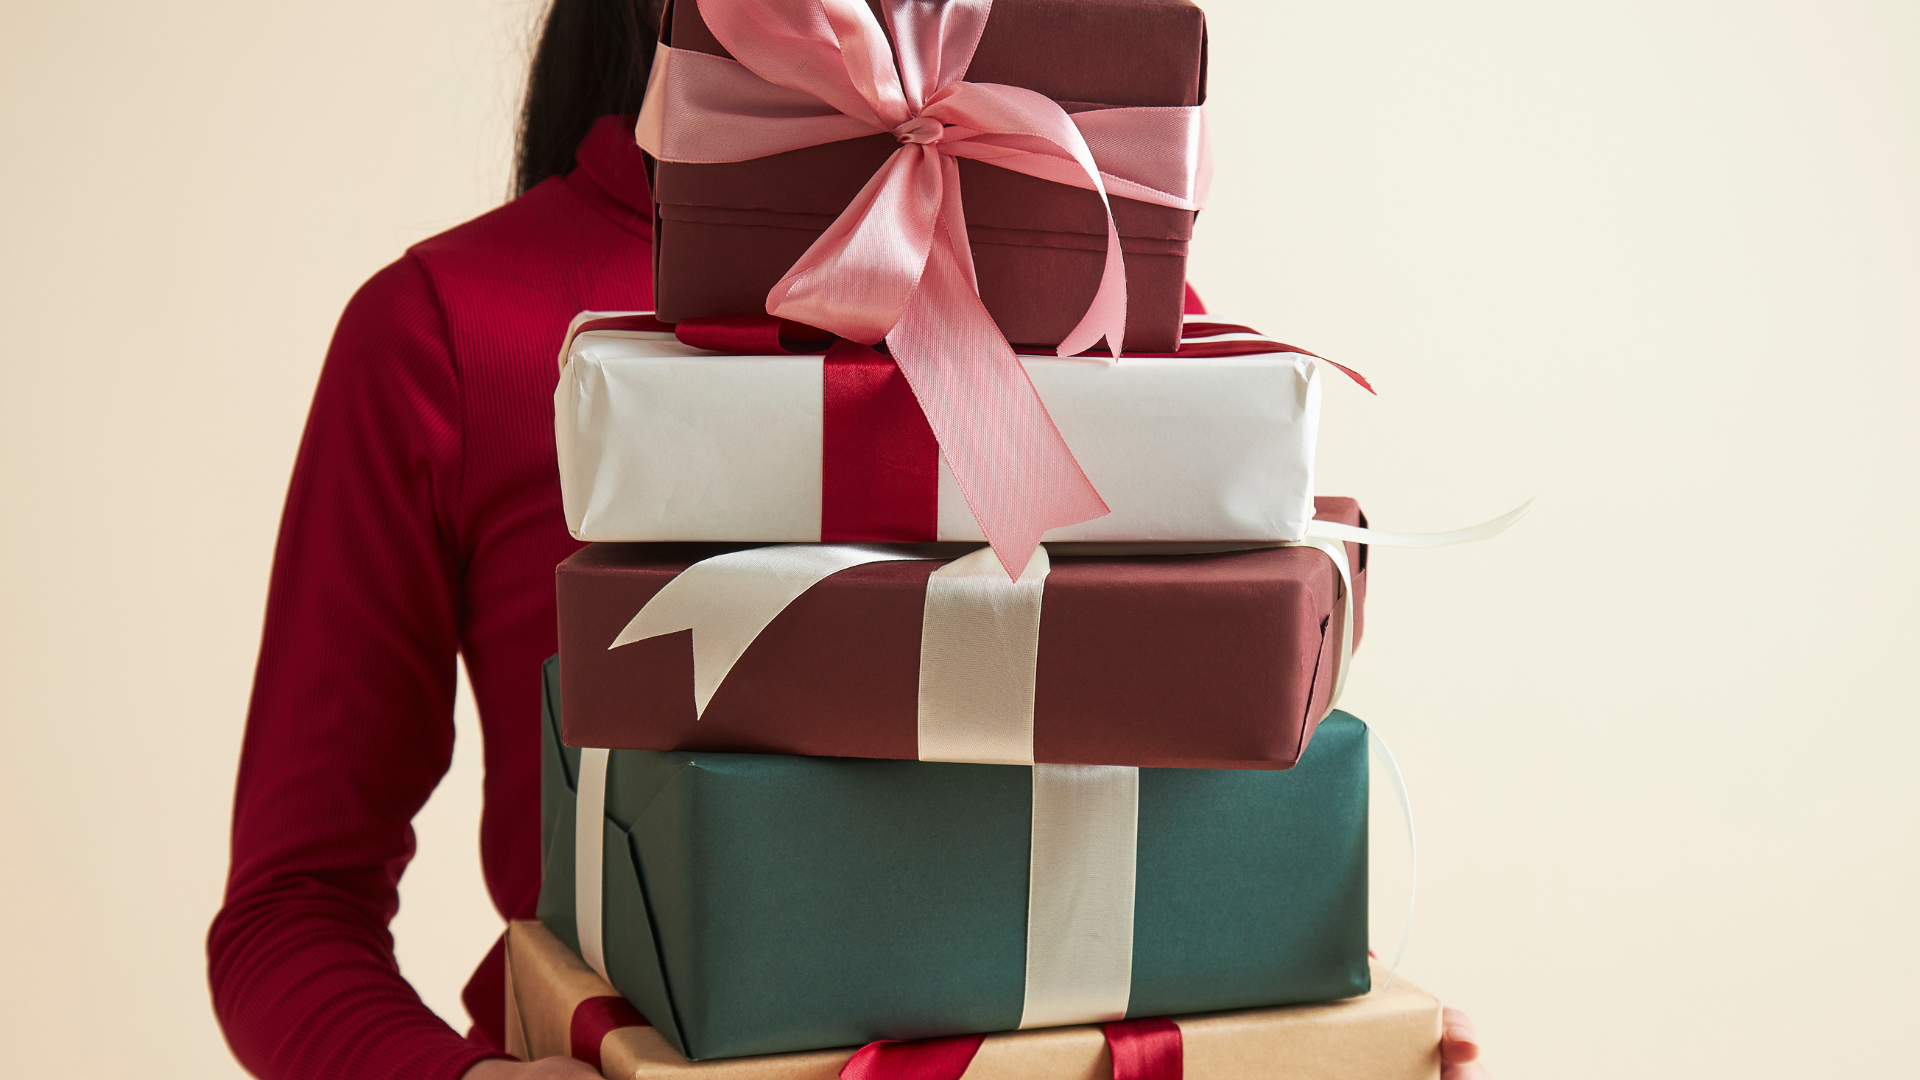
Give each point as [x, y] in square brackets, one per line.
[725, 233]
[1187, 661]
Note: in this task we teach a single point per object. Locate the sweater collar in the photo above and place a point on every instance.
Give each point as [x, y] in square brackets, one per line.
[611, 174]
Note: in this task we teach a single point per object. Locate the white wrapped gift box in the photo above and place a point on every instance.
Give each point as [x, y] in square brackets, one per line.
[661, 441]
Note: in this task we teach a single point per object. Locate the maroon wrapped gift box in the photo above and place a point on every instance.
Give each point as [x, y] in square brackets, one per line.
[1191, 661]
[725, 233]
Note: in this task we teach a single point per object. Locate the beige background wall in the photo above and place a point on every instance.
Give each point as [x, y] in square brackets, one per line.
[1655, 263]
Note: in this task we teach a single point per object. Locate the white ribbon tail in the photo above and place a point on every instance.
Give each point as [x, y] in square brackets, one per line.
[727, 600]
[1331, 537]
[1334, 530]
[1379, 746]
[589, 855]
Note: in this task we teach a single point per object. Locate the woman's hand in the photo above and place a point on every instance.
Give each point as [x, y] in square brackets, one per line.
[1459, 1052]
[548, 1068]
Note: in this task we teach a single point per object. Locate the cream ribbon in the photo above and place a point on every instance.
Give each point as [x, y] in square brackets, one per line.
[589, 856]
[1080, 894]
[1379, 747]
[728, 599]
[979, 660]
[1332, 537]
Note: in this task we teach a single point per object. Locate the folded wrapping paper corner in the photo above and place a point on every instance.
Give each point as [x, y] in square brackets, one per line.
[1391, 1033]
[660, 441]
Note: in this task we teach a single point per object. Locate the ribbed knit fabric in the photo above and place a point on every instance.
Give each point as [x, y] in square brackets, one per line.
[423, 521]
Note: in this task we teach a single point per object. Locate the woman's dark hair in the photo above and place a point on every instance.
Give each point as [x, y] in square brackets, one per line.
[593, 59]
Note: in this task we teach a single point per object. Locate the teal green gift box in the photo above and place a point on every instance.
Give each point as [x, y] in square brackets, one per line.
[758, 904]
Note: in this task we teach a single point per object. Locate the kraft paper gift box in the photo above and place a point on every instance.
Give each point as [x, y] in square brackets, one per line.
[754, 904]
[725, 233]
[658, 440]
[1225, 660]
[558, 1006]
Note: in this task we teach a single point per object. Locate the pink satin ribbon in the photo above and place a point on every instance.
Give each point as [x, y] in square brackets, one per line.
[896, 264]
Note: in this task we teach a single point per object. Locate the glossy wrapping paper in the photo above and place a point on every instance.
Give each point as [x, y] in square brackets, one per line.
[1223, 660]
[757, 904]
[725, 233]
[557, 1006]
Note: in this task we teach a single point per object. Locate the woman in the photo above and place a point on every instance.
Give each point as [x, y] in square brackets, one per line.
[424, 521]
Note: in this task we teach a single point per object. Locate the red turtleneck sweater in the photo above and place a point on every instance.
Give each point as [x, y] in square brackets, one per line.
[423, 521]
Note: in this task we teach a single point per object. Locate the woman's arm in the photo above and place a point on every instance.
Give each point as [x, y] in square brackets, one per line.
[350, 725]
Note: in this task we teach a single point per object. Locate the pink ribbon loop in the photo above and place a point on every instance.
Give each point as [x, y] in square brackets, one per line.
[896, 264]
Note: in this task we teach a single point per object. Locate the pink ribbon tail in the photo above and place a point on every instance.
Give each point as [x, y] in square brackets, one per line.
[1015, 470]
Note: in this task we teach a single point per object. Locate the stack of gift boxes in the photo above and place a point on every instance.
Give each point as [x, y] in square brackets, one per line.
[823, 768]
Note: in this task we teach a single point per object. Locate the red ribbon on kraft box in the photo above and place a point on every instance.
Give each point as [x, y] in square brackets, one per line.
[1146, 1049]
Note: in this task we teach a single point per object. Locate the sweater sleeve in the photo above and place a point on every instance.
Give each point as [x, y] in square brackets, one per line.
[351, 720]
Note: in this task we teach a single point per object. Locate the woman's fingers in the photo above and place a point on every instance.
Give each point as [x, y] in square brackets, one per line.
[1458, 1045]
[1473, 1071]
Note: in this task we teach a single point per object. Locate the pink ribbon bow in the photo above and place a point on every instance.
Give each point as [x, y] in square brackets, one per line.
[896, 264]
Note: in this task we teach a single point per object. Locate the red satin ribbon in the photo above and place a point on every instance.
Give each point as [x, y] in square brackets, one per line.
[1147, 1049]
[643, 322]
[595, 1018]
[751, 335]
[922, 1059]
[880, 464]
[1244, 348]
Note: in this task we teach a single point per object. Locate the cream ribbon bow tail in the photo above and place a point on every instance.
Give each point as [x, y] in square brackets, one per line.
[1332, 537]
[728, 599]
